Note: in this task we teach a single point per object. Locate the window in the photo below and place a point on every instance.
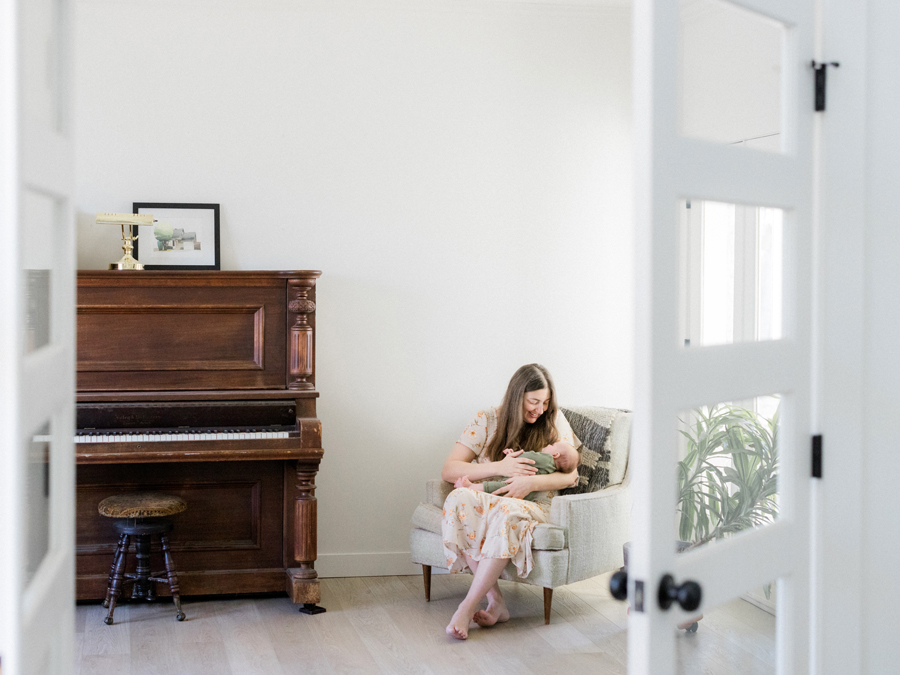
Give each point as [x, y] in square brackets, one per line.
[731, 273]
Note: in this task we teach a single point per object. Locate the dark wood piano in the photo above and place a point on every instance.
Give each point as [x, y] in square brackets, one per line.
[202, 384]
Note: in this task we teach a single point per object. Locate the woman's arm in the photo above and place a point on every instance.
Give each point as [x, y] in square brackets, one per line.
[459, 464]
[519, 486]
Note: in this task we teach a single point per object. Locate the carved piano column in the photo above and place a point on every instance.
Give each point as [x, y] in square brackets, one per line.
[303, 584]
[301, 342]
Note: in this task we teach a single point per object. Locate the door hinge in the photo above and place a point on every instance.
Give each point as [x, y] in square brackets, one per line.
[821, 70]
[817, 456]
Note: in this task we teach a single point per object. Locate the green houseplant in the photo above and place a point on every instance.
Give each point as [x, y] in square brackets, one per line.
[727, 480]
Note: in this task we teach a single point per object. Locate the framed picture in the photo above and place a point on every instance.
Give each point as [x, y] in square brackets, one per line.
[182, 237]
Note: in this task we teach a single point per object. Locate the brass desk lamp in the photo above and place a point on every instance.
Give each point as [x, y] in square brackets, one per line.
[128, 262]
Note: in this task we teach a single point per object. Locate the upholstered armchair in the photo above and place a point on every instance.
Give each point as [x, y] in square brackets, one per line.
[588, 525]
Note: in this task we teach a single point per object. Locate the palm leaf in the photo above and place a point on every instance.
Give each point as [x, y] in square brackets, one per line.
[727, 481]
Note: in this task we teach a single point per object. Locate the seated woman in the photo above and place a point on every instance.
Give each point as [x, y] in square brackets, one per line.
[484, 531]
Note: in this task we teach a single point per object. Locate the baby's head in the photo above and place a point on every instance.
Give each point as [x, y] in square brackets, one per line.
[564, 456]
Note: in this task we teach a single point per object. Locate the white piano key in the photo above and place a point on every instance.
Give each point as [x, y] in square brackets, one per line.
[169, 437]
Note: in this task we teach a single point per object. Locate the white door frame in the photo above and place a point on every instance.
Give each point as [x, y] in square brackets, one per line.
[37, 387]
[838, 496]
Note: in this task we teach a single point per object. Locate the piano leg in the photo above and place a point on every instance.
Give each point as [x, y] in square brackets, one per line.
[302, 579]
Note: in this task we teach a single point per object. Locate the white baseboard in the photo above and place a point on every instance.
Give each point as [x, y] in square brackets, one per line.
[366, 565]
[758, 597]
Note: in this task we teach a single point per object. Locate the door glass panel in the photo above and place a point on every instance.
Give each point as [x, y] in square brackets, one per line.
[37, 499]
[737, 636]
[770, 256]
[730, 73]
[37, 309]
[731, 273]
[727, 470]
[42, 62]
[40, 215]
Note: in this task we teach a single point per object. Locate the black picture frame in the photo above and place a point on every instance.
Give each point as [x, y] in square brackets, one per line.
[204, 217]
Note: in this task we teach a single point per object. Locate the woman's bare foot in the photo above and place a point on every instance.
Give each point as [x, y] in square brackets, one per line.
[459, 625]
[690, 622]
[496, 612]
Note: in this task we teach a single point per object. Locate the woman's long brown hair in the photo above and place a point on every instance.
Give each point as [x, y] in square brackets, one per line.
[512, 430]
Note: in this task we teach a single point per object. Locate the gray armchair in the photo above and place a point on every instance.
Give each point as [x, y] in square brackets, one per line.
[588, 523]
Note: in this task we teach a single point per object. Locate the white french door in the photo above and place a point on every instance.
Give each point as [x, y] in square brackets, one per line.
[37, 340]
[708, 73]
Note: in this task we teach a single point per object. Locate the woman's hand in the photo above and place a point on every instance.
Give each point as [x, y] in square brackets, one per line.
[517, 487]
[512, 465]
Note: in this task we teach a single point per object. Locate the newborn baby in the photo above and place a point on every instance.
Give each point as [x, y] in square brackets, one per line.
[559, 457]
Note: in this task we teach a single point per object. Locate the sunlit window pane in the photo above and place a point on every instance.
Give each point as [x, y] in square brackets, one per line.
[717, 297]
[769, 305]
[732, 271]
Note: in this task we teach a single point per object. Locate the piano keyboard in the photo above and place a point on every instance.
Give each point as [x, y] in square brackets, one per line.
[161, 437]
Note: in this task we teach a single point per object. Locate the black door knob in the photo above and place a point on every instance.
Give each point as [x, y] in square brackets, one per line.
[618, 585]
[687, 595]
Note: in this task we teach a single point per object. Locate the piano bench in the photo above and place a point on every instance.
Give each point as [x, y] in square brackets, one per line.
[141, 515]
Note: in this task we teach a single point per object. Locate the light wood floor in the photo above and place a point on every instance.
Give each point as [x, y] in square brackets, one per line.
[384, 625]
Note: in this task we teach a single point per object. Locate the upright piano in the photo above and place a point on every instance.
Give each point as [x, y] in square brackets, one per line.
[202, 384]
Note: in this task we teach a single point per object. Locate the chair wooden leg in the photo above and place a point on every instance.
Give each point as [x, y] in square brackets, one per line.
[548, 600]
[426, 577]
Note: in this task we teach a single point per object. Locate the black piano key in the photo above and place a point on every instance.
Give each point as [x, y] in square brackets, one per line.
[190, 415]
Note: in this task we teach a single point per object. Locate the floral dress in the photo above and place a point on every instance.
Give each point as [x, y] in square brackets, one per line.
[484, 525]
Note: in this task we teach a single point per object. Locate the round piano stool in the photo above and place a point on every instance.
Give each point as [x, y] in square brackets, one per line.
[140, 515]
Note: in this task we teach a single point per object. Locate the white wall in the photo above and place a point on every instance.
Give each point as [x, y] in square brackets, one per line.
[460, 171]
